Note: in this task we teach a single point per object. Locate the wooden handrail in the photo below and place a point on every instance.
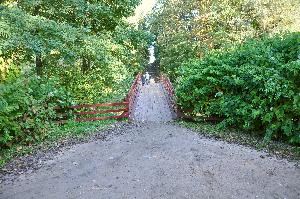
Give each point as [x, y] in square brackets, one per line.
[98, 105]
[132, 94]
[127, 104]
[101, 118]
[133, 87]
[170, 91]
[102, 111]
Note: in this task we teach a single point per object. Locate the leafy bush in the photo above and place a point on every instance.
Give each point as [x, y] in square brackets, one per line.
[27, 108]
[254, 86]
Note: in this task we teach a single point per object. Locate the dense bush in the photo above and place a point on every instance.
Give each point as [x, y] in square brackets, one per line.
[254, 86]
[27, 108]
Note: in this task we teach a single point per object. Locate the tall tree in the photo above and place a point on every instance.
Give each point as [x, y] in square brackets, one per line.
[89, 17]
[189, 28]
[97, 15]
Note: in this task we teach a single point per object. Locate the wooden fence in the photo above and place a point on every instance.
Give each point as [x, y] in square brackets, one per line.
[83, 115]
[105, 111]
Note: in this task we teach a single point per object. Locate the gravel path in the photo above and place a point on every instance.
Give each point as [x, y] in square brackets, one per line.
[151, 105]
[152, 160]
[158, 160]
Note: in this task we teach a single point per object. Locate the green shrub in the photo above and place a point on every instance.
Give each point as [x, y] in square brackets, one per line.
[255, 86]
[27, 108]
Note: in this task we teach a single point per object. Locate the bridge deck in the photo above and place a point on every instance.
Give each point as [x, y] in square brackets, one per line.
[152, 104]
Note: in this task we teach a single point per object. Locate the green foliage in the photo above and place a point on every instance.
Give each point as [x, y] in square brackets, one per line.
[96, 15]
[254, 86]
[188, 29]
[27, 108]
[82, 51]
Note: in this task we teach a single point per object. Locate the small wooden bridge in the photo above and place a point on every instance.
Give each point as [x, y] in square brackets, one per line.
[153, 102]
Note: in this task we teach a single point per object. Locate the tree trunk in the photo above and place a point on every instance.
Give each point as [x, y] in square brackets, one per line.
[38, 55]
[86, 64]
[38, 64]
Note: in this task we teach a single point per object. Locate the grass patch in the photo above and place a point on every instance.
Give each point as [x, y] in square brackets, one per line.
[252, 139]
[79, 130]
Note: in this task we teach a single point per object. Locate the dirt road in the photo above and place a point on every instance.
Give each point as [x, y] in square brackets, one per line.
[157, 160]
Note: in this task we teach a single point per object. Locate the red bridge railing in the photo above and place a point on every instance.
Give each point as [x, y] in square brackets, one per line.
[107, 108]
[164, 79]
[105, 111]
[133, 94]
